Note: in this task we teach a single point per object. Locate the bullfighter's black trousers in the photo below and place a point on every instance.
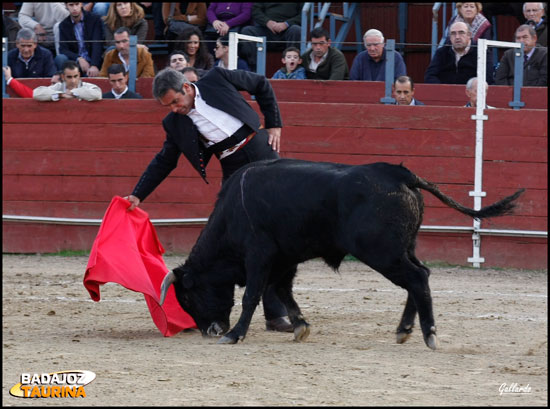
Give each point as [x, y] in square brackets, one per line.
[256, 149]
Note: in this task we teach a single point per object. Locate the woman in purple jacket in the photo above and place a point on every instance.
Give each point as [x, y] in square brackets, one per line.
[226, 17]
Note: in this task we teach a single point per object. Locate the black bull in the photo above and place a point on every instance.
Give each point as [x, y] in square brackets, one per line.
[272, 215]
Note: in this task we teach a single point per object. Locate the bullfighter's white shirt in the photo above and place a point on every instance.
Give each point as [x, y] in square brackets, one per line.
[214, 124]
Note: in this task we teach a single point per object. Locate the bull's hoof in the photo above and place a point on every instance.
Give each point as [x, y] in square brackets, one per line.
[301, 332]
[402, 337]
[432, 342]
[228, 340]
[403, 334]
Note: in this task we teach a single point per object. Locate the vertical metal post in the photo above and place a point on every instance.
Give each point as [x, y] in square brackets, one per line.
[479, 117]
[390, 71]
[4, 63]
[518, 78]
[261, 53]
[133, 63]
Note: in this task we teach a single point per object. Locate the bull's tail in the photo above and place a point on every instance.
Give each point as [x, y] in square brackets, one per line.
[500, 208]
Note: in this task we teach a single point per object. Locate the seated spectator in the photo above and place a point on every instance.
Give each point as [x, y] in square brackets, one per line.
[323, 62]
[292, 69]
[225, 17]
[403, 91]
[81, 40]
[536, 17]
[470, 13]
[192, 43]
[456, 64]
[278, 22]
[535, 65]
[471, 93]
[21, 89]
[10, 28]
[41, 18]
[118, 77]
[222, 55]
[177, 60]
[29, 60]
[179, 17]
[191, 73]
[70, 87]
[129, 15]
[99, 9]
[121, 55]
[370, 65]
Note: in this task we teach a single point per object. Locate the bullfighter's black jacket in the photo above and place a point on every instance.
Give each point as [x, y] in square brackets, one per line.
[220, 89]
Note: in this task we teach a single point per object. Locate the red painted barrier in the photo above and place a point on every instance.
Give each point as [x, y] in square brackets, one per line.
[69, 158]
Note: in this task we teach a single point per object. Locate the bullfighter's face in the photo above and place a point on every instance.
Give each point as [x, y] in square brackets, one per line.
[180, 102]
[209, 305]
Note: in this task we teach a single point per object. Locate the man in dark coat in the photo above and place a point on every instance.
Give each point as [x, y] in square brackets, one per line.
[29, 60]
[81, 40]
[118, 77]
[211, 117]
[535, 67]
[444, 68]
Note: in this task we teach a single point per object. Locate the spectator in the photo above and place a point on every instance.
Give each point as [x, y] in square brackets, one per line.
[403, 91]
[470, 13]
[192, 43]
[535, 71]
[225, 17]
[121, 55]
[29, 60]
[70, 87]
[292, 69]
[536, 17]
[118, 77]
[323, 62]
[99, 9]
[191, 73]
[278, 22]
[81, 40]
[471, 93]
[370, 65]
[177, 60]
[458, 63]
[222, 55]
[227, 127]
[41, 18]
[10, 28]
[21, 89]
[179, 17]
[129, 15]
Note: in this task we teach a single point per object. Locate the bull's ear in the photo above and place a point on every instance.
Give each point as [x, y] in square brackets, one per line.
[187, 281]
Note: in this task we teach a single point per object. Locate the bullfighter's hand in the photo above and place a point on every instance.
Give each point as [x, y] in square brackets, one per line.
[274, 138]
[134, 202]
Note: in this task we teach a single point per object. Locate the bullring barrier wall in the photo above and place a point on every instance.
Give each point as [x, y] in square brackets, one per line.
[68, 159]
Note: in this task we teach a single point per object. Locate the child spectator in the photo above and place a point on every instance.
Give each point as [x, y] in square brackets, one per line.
[292, 69]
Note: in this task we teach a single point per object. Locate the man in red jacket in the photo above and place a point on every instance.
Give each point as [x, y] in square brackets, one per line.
[21, 89]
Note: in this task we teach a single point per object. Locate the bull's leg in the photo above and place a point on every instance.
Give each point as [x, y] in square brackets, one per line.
[256, 281]
[406, 325]
[419, 290]
[284, 291]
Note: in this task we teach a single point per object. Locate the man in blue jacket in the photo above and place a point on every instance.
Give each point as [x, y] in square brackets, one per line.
[370, 65]
[81, 40]
[458, 63]
[29, 60]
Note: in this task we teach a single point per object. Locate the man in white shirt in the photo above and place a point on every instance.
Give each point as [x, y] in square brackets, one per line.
[69, 88]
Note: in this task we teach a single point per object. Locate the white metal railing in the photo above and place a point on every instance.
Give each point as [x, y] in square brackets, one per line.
[233, 51]
[203, 221]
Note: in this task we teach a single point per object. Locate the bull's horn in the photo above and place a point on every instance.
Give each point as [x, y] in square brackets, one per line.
[166, 283]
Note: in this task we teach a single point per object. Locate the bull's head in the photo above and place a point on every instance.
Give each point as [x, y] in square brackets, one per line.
[208, 301]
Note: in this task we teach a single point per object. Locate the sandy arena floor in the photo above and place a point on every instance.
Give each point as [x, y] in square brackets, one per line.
[492, 328]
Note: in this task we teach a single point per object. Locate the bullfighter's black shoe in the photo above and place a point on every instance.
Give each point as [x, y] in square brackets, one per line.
[281, 324]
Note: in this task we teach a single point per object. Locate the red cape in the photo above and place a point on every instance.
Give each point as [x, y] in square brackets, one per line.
[127, 251]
